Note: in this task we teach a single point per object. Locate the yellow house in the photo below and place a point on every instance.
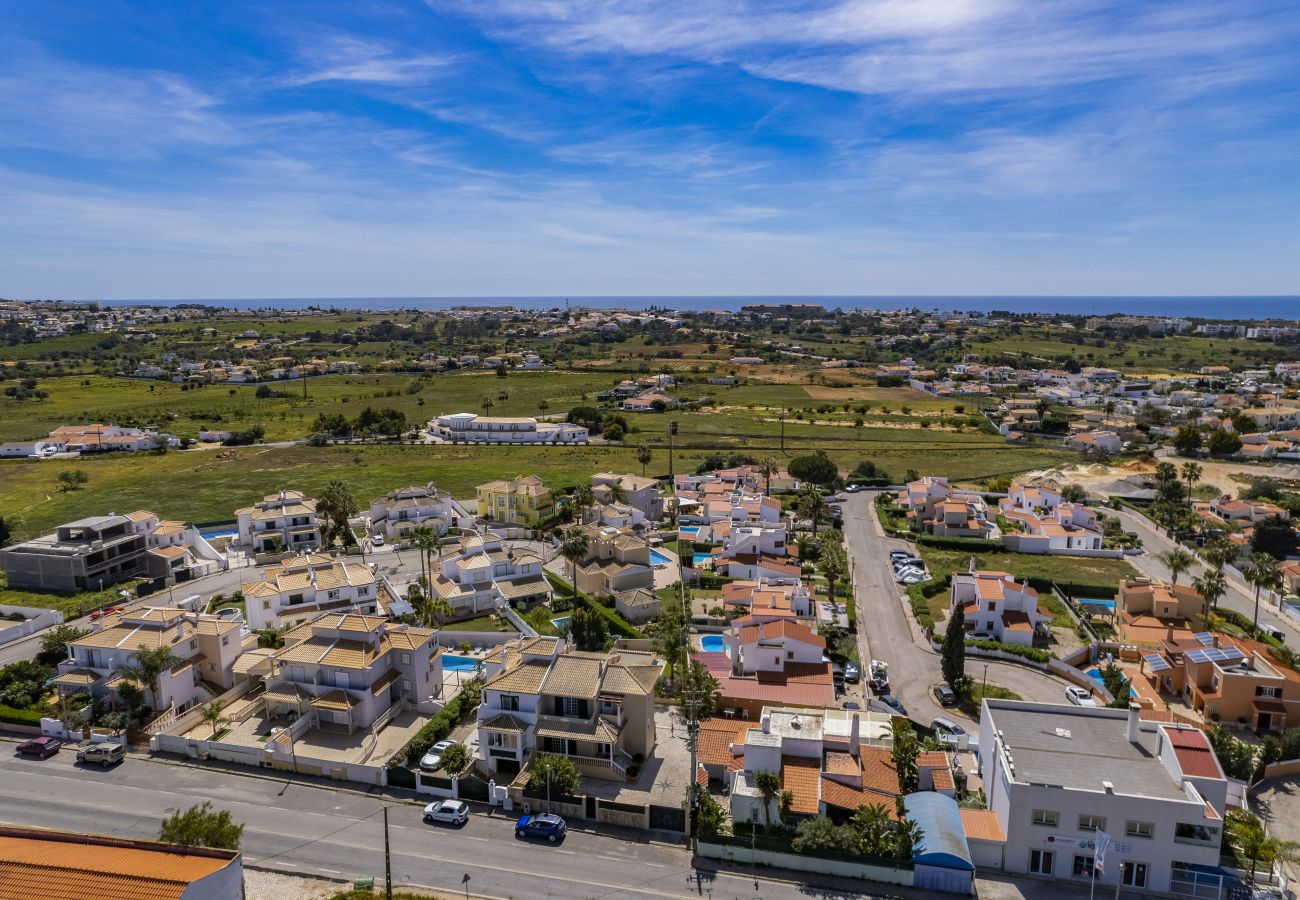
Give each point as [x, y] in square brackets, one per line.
[524, 501]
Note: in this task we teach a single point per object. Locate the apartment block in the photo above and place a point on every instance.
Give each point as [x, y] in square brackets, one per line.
[283, 521]
[84, 555]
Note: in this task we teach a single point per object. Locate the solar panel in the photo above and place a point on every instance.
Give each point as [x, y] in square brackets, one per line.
[1215, 654]
[1155, 662]
[1206, 639]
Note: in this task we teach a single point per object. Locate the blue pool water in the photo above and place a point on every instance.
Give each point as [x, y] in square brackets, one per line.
[218, 533]
[711, 643]
[562, 622]
[692, 530]
[700, 559]
[658, 559]
[453, 663]
[1095, 674]
[1108, 604]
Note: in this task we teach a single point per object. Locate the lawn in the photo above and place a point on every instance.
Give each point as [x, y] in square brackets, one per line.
[970, 702]
[478, 623]
[1076, 569]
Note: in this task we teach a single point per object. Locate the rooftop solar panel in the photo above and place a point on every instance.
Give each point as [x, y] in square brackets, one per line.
[1206, 639]
[1155, 663]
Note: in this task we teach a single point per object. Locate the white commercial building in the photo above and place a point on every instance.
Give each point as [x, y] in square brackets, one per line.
[461, 427]
[1055, 776]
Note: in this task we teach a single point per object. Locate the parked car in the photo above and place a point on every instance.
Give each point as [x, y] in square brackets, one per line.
[1079, 696]
[896, 553]
[852, 672]
[453, 812]
[106, 754]
[851, 705]
[947, 728]
[377, 541]
[41, 746]
[879, 685]
[980, 636]
[853, 488]
[945, 695]
[892, 702]
[545, 825]
[879, 668]
[1276, 634]
[431, 760]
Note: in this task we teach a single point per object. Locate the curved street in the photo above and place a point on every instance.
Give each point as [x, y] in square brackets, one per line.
[887, 630]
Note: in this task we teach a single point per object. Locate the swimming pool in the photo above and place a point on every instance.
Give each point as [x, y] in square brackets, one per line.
[453, 663]
[219, 533]
[1095, 674]
[659, 559]
[1089, 601]
[692, 530]
[700, 559]
[711, 643]
[562, 622]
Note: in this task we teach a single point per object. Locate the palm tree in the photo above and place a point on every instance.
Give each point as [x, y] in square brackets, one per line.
[768, 467]
[1218, 553]
[1261, 570]
[769, 785]
[1211, 585]
[907, 835]
[1177, 561]
[487, 405]
[1247, 834]
[543, 406]
[832, 568]
[436, 611]
[872, 825]
[425, 540]
[583, 498]
[212, 714]
[573, 547]
[336, 504]
[150, 662]
[643, 456]
[670, 636]
[1191, 474]
[812, 506]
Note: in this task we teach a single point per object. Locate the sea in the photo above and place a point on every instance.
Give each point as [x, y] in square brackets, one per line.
[1282, 307]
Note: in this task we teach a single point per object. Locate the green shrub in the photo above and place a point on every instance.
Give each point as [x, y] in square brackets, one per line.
[1030, 653]
[20, 716]
[971, 545]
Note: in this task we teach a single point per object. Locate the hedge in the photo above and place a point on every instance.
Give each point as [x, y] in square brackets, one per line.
[973, 545]
[617, 624]
[1075, 590]
[1030, 653]
[441, 724]
[20, 716]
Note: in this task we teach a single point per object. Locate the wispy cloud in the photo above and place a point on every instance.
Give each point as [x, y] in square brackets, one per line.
[343, 58]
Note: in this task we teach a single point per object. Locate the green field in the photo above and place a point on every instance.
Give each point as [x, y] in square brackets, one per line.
[1076, 569]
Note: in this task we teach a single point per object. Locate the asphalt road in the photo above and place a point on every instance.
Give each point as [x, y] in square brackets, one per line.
[305, 829]
[885, 626]
[1239, 597]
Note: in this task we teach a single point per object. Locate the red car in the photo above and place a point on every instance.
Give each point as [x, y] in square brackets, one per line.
[41, 746]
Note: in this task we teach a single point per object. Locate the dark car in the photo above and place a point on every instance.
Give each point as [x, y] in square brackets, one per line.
[852, 672]
[545, 825]
[41, 746]
[892, 702]
[852, 705]
[944, 695]
[879, 685]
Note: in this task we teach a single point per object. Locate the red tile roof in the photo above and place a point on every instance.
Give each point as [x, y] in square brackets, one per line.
[1195, 757]
[982, 825]
[781, 629]
[799, 776]
[716, 737]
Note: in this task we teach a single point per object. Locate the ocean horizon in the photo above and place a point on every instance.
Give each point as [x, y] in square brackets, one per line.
[1286, 307]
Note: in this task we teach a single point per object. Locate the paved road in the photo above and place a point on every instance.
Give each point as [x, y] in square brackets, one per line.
[337, 834]
[886, 629]
[1239, 597]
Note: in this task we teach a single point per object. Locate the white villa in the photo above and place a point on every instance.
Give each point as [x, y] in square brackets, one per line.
[285, 521]
[994, 603]
[396, 513]
[468, 427]
[305, 586]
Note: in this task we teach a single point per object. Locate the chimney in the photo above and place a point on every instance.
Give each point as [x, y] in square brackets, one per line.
[1169, 632]
[855, 737]
[1134, 716]
[505, 658]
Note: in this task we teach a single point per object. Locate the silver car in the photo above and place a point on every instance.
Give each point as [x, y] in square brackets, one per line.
[452, 812]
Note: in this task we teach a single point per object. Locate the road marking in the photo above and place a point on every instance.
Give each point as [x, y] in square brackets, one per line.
[332, 871]
[612, 858]
[656, 865]
[471, 837]
[570, 852]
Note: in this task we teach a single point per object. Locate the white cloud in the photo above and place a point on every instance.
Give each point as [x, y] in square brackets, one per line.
[343, 57]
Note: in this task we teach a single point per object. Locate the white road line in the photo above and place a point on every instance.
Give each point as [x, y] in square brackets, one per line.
[656, 865]
[332, 871]
[570, 852]
[470, 837]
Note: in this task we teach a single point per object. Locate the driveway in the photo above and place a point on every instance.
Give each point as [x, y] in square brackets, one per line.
[887, 630]
[1239, 597]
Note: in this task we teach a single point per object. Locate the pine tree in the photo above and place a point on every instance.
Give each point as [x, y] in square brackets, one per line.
[954, 650]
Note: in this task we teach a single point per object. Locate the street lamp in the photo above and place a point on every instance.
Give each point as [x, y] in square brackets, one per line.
[985, 689]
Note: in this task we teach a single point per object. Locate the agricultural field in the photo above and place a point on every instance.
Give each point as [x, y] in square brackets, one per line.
[1064, 569]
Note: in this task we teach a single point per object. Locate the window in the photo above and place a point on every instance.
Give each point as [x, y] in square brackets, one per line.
[602, 750]
[1268, 691]
[1082, 866]
[225, 640]
[295, 599]
[1092, 823]
[572, 707]
[1040, 862]
[406, 659]
[266, 604]
[1048, 817]
[333, 595]
[1185, 833]
[992, 606]
[406, 685]
[1139, 829]
[1134, 874]
[363, 592]
[510, 703]
[194, 645]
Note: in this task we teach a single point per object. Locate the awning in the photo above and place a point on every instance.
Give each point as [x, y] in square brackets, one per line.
[76, 678]
[254, 661]
[385, 682]
[503, 722]
[336, 699]
[577, 729]
[1270, 706]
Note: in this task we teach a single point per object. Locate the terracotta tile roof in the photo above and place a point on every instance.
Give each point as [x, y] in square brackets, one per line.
[81, 867]
[1192, 748]
[781, 629]
[335, 699]
[982, 825]
[716, 737]
[932, 759]
[943, 780]
[878, 772]
[504, 722]
[1014, 620]
[525, 678]
[800, 776]
[840, 763]
[573, 676]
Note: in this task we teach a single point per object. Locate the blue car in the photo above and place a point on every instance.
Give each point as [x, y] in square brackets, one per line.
[545, 825]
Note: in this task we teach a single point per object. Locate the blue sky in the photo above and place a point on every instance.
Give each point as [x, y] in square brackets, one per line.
[538, 147]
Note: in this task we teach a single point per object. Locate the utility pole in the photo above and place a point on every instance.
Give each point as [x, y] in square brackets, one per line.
[388, 861]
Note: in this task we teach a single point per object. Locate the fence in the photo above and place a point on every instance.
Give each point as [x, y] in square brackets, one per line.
[269, 757]
[1278, 769]
[34, 620]
[743, 853]
[172, 722]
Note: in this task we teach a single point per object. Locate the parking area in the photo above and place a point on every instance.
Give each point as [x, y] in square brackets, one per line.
[665, 776]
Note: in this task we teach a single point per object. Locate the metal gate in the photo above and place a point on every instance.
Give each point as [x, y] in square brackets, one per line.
[935, 878]
[668, 818]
